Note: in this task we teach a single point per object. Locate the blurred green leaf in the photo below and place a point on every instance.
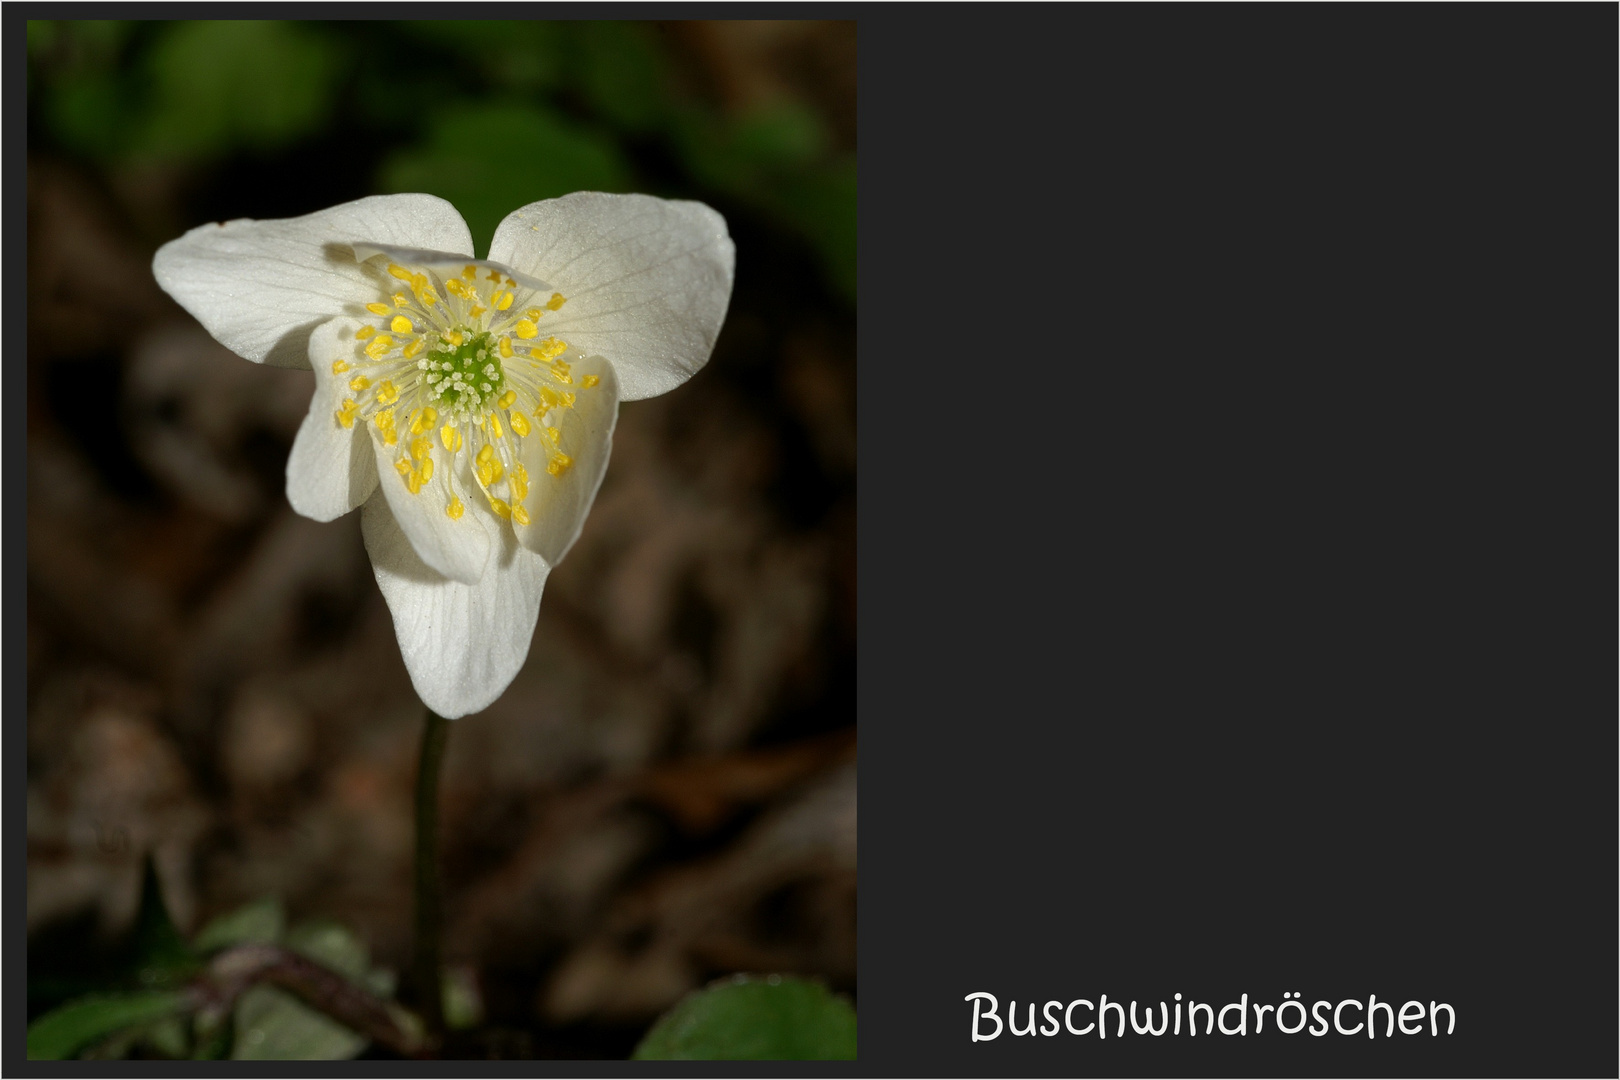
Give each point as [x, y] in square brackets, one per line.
[65, 1031]
[490, 159]
[526, 55]
[822, 204]
[272, 1025]
[754, 1019]
[622, 72]
[218, 86]
[162, 957]
[262, 921]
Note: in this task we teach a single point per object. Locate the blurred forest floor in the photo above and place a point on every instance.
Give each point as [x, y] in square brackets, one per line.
[666, 793]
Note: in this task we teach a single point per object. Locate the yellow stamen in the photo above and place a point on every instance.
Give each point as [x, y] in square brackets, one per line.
[589, 381]
[520, 516]
[400, 325]
[505, 348]
[534, 313]
[420, 448]
[500, 507]
[453, 338]
[345, 415]
[495, 426]
[414, 347]
[455, 509]
[559, 464]
[359, 383]
[399, 272]
[470, 273]
[364, 332]
[450, 437]
[386, 392]
[503, 302]
[400, 301]
[551, 347]
[520, 423]
[557, 300]
[423, 419]
[339, 366]
[377, 309]
[378, 346]
[526, 329]
[506, 399]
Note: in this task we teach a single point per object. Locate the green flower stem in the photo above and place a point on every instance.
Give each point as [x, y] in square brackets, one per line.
[434, 736]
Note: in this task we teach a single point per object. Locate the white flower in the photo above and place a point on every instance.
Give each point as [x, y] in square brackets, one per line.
[468, 404]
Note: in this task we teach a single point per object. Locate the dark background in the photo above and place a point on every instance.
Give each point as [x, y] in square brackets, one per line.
[1238, 606]
[666, 794]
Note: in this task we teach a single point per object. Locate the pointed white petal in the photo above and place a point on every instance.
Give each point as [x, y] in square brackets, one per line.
[463, 644]
[557, 505]
[331, 469]
[458, 548]
[261, 287]
[646, 281]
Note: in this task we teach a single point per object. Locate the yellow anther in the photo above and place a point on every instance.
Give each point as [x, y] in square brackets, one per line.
[427, 470]
[400, 272]
[553, 434]
[475, 312]
[364, 332]
[359, 383]
[345, 415]
[495, 426]
[384, 420]
[470, 272]
[377, 309]
[400, 325]
[526, 329]
[520, 423]
[557, 300]
[450, 437]
[589, 381]
[485, 452]
[423, 419]
[453, 338]
[386, 392]
[505, 348]
[520, 516]
[495, 276]
[420, 448]
[400, 301]
[535, 313]
[519, 484]
[561, 373]
[456, 287]
[403, 466]
[551, 347]
[414, 347]
[500, 507]
[378, 346]
[455, 509]
[553, 399]
[490, 471]
[339, 366]
[503, 301]
[559, 464]
[506, 399]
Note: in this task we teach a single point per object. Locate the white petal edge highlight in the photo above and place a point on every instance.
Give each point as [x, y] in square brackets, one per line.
[557, 505]
[458, 548]
[463, 644]
[331, 469]
[261, 287]
[646, 281]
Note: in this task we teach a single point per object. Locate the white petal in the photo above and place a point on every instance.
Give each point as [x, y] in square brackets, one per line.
[646, 280]
[331, 469]
[463, 644]
[458, 548]
[260, 287]
[557, 505]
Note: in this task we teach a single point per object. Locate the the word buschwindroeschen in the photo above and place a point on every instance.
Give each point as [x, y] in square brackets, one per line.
[1288, 1017]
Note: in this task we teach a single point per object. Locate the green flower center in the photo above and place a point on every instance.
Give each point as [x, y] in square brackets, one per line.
[464, 370]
